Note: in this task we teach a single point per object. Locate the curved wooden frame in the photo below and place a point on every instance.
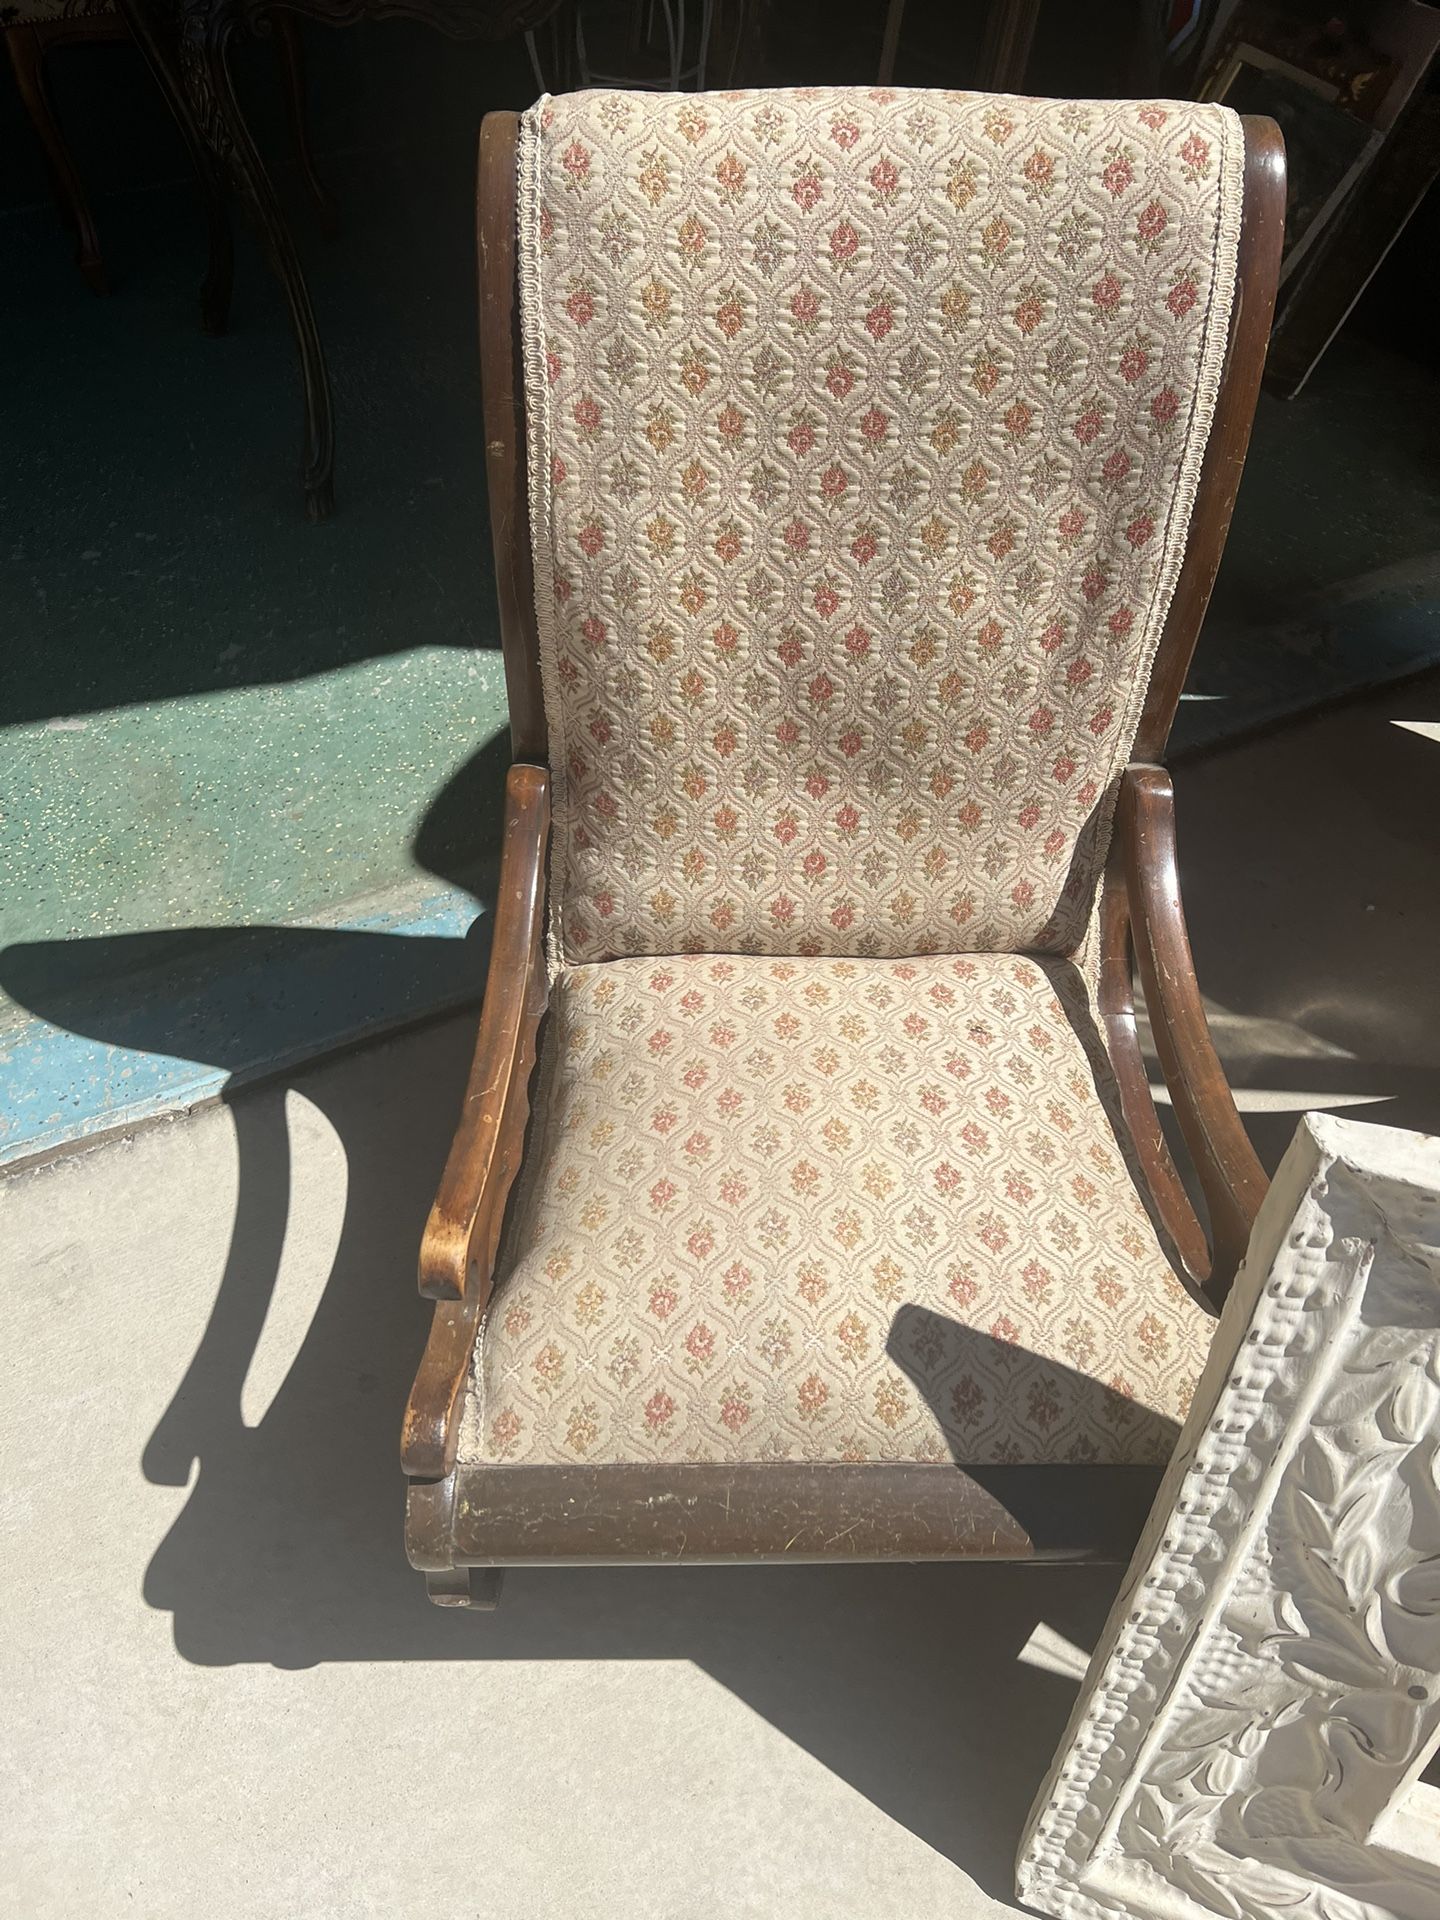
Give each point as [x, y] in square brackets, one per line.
[1143, 908]
[621, 1513]
[457, 1254]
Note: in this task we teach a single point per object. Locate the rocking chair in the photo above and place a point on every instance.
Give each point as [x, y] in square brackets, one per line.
[860, 463]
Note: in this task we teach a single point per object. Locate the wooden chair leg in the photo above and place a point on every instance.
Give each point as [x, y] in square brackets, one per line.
[27, 56]
[476, 1587]
[292, 63]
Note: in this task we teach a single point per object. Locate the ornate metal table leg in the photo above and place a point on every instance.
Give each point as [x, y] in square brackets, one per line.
[890, 42]
[1009, 34]
[292, 66]
[206, 27]
[154, 30]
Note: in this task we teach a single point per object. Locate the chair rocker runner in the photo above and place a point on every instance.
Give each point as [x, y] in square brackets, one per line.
[860, 463]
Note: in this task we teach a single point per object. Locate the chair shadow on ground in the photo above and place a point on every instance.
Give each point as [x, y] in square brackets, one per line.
[288, 1549]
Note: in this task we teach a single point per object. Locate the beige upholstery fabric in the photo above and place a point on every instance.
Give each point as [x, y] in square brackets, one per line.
[865, 430]
[834, 1210]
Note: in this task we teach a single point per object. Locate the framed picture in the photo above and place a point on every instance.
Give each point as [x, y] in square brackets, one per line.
[1327, 147]
[1360, 122]
[1182, 19]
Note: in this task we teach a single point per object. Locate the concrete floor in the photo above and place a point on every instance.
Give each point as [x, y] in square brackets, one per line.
[225, 1692]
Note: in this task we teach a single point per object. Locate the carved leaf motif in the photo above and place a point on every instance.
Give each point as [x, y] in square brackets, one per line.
[1149, 1812]
[1314, 1473]
[1205, 1887]
[1167, 1769]
[1359, 1558]
[1185, 1826]
[1272, 1891]
[1425, 1505]
[1224, 1773]
[1417, 1589]
[1410, 1412]
[1316, 1520]
[1324, 1603]
[1412, 1638]
[1339, 1906]
[1328, 1661]
[1359, 1392]
[1300, 1712]
[1274, 1811]
[1382, 1723]
[1204, 1728]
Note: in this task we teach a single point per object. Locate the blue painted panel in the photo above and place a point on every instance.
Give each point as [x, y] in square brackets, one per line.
[216, 1006]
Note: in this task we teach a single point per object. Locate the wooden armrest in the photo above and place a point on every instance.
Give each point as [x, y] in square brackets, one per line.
[458, 1251]
[1231, 1176]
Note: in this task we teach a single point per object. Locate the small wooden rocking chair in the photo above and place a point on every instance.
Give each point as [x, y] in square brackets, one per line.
[881, 448]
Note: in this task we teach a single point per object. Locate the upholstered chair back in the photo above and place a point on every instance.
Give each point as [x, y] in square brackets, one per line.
[864, 431]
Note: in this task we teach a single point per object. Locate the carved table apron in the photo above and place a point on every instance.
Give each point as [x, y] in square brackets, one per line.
[186, 43]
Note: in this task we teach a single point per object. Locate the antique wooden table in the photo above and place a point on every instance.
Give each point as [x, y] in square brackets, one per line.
[187, 44]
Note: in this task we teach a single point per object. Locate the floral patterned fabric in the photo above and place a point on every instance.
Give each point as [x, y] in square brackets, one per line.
[865, 427]
[832, 1210]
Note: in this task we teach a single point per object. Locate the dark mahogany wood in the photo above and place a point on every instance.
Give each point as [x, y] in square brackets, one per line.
[457, 1254]
[1155, 917]
[28, 46]
[292, 66]
[1115, 1003]
[505, 453]
[1009, 35]
[153, 29]
[431, 1426]
[1231, 1176]
[458, 1250]
[474, 1587]
[783, 1510]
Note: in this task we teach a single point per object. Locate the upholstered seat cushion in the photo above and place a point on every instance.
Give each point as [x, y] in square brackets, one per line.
[828, 1210]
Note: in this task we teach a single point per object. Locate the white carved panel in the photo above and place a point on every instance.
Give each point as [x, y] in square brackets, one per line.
[1267, 1690]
